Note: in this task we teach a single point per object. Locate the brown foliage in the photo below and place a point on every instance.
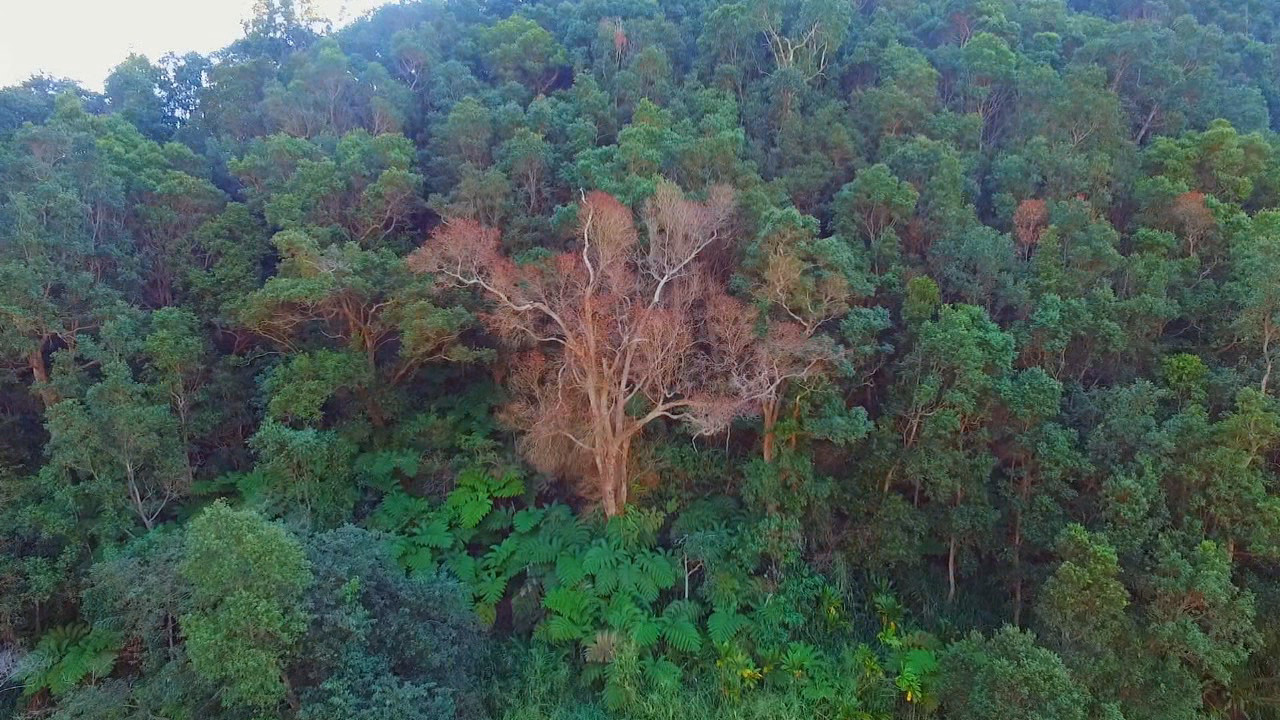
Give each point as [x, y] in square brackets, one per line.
[1029, 222]
[759, 367]
[618, 331]
[1195, 219]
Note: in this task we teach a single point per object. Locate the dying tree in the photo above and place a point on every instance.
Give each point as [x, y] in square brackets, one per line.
[760, 365]
[1193, 216]
[1029, 223]
[799, 283]
[609, 336]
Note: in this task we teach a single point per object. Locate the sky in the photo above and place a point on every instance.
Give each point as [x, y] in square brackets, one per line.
[84, 39]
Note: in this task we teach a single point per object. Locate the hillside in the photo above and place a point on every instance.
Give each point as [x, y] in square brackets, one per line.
[650, 360]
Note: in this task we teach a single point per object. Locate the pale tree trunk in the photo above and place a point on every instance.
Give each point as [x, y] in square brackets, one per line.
[138, 504]
[1017, 570]
[951, 552]
[769, 421]
[1267, 331]
[612, 466]
[1146, 125]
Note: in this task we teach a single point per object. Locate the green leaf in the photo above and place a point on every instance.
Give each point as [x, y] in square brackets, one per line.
[527, 519]
[434, 534]
[470, 508]
[723, 624]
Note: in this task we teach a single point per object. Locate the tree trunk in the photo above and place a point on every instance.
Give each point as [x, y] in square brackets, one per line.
[1017, 570]
[613, 480]
[1024, 492]
[1266, 355]
[769, 421]
[40, 373]
[1146, 125]
[951, 570]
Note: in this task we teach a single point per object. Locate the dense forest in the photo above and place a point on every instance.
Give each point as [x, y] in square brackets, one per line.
[652, 360]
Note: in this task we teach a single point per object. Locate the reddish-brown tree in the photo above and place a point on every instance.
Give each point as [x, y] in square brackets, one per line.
[1029, 222]
[611, 335]
[760, 367]
[1194, 218]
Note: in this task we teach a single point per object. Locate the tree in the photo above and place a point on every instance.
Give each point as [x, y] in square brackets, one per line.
[615, 329]
[800, 283]
[61, 255]
[1254, 289]
[522, 51]
[763, 364]
[116, 435]
[1084, 603]
[380, 644]
[948, 393]
[140, 92]
[1029, 222]
[986, 64]
[1007, 676]
[365, 299]
[247, 579]
[362, 190]
[527, 157]
[876, 201]
[803, 38]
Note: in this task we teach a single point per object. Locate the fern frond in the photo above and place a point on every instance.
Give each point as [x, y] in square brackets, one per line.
[527, 519]
[723, 625]
[662, 673]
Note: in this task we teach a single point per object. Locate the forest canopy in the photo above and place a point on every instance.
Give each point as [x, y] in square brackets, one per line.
[650, 359]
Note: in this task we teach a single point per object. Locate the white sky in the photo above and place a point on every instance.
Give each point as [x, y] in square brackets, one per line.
[84, 39]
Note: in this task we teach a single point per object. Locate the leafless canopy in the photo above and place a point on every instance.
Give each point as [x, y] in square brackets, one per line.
[612, 335]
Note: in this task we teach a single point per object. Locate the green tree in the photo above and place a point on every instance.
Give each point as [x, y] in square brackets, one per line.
[247, 579]
[1007, 676]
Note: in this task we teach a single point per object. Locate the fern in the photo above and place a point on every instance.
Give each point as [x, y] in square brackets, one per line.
[463, 567]
[602, 561]
[497, 522]
[415, 557]
[570, 569]
[650, 573]
[723, 624]
[434, 534]
[646, 631]
[398, 511]
[560, 532]
[527, 519]
[559, 628]
[379, 469]
[472, 499]
[508, 486]
[622, 614]
[490, 588]
[469, 507]
[679, 629]
[67, 655]
[662, 673]
[500, 555]
[571, 603]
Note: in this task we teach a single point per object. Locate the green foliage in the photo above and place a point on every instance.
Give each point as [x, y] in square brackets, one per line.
[1007, 676]
[379, 643]
[66, 656]
[1009, 450]
[247, 580]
